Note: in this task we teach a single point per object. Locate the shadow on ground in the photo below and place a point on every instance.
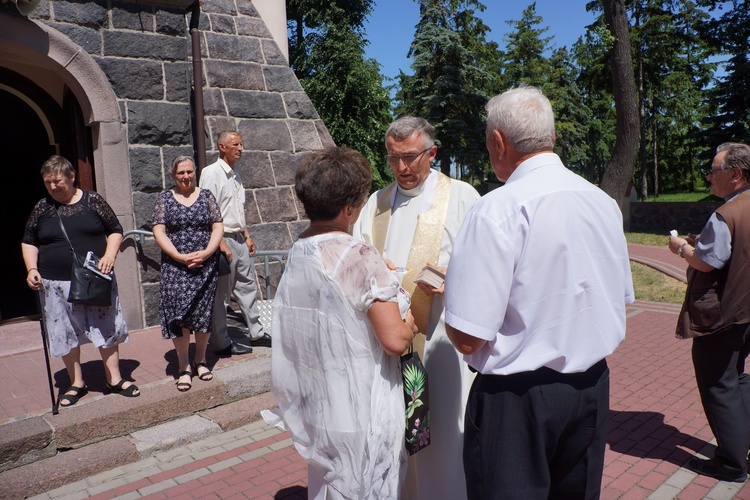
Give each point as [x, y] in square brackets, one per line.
[291, 493]
[644, 434]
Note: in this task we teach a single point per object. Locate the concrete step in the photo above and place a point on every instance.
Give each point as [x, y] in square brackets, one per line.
[46, 451]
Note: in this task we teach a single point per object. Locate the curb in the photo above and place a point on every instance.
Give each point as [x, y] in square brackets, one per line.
[44, 452]
[668, 269]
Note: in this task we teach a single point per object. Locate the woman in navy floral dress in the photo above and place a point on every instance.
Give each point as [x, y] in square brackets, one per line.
[188, 228]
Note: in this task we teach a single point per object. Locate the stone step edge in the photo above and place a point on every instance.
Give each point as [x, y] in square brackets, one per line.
[77, 464]
[42, 436]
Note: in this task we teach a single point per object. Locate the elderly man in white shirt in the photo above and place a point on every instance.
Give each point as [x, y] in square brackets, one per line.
[535, 300]
[225, 184]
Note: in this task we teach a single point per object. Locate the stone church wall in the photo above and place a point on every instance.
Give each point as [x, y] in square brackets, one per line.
[144, 50]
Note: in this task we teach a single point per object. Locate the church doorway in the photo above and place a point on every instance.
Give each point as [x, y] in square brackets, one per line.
[33, 126]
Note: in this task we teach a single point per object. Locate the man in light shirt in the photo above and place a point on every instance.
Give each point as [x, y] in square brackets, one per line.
[716, 313]
[225, 184]
[535, 300]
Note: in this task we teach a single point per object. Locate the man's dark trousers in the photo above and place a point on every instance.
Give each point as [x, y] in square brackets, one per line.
[724, 387]
[537, 435]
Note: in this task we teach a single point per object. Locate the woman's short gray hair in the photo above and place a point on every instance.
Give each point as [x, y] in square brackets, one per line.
[405, 126]
[525, 118]
[179, 160]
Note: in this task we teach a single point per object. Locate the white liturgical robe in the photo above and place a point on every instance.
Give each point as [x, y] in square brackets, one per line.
[437, 471]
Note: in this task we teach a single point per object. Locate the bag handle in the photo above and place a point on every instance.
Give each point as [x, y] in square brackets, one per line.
[65, 233]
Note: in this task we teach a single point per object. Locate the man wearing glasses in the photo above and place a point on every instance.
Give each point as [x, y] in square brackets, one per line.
[716, 313]
[413, 222]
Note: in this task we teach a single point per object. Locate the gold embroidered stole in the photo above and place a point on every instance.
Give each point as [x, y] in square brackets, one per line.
[425, 247]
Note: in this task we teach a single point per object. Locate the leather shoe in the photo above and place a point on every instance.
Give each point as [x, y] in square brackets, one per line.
[262, 341]
[717, 471]
[234, 348]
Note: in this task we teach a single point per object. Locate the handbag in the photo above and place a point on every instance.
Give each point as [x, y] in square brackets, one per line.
[224, 265]
[87, 287]
[417, 402]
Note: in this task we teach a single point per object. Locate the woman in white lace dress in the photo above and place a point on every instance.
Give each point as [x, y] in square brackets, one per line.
[340, 323]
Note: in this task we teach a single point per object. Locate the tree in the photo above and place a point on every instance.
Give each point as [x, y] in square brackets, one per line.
[680, 103]
[620, 168]
[671, 73]
[591, 53]
[524, 60]
[730, 98]
[449, 86]
[572, 115]
[327, 55]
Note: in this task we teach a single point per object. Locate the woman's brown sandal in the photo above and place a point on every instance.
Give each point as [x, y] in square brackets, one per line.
[205, 376]
[130, 391]
[184, 386]
[71, 399]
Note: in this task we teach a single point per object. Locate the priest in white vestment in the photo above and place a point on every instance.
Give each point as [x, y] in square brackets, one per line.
[412, 222]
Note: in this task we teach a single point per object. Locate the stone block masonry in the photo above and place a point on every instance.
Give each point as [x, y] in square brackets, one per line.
[144, 49]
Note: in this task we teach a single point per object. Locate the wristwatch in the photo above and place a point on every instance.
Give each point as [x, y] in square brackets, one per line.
[681, 250]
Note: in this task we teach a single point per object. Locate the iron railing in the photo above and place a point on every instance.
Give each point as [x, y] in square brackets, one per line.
[278, 255]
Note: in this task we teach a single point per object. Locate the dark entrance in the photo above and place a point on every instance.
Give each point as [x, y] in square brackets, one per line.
[33, 126]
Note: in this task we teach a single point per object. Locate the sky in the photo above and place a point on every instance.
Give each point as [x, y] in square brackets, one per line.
[390, 27]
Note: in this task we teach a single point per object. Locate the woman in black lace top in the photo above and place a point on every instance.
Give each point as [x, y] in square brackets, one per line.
[91, 224]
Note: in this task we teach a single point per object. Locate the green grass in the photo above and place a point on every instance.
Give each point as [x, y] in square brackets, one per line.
[653, 239]
[648, 283]
[700, 195]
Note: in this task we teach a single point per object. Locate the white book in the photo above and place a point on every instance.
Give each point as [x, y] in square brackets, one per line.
[91, 262]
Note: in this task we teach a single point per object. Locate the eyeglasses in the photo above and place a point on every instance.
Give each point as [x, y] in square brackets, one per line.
[408, 158]
[710, 171]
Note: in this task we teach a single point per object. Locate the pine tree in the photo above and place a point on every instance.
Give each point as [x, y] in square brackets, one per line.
[591, 53]
[730, 98]
[524, 59]
[327, 55]
[452, 76]
[572, 115]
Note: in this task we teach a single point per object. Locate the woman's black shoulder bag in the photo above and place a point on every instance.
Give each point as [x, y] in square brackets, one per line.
[87, 287]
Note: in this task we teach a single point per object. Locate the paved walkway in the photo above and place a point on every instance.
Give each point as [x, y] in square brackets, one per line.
[656, 425]
[660, 258]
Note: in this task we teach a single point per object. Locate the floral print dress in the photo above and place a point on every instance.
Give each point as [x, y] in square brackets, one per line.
[187, 295]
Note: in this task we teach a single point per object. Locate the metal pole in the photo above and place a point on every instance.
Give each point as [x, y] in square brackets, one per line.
[46, 353]
[200, 131]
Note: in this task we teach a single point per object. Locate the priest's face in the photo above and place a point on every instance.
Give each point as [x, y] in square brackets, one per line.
[410, 159]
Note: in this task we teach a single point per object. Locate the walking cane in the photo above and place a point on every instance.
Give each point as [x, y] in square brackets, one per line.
[46, 353]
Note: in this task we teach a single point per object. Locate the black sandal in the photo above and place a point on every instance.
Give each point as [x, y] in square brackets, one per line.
[184, 386]
[130, 391]
[205, 376]
[78, 393]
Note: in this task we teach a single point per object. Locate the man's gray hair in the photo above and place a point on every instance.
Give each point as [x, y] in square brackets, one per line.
[738, 156]
[224, 135]
[525, 118]
[405, 126]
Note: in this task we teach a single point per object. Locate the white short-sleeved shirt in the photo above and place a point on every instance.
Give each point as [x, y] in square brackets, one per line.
[226, 186]
[540, 270]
